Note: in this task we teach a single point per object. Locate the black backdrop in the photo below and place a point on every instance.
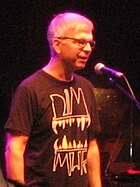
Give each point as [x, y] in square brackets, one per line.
[23, 47]
[22, 30]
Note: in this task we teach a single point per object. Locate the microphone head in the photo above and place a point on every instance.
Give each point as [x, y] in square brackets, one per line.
[98, 67]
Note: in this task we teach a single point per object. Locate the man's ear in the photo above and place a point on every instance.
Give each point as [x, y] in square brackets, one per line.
[57, 46]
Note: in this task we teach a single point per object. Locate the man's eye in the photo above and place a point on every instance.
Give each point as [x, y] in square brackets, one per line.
[81, 42]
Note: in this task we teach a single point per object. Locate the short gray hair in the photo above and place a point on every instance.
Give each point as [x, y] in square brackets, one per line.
[64, 22]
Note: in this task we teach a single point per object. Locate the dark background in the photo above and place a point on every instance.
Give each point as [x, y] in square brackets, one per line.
[23, 50]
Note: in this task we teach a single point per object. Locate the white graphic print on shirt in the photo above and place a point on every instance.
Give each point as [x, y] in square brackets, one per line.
[70, 151]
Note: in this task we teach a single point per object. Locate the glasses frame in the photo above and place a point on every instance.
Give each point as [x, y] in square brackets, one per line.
[81, 42]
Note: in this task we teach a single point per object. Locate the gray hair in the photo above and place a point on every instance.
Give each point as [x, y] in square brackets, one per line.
[65, 22]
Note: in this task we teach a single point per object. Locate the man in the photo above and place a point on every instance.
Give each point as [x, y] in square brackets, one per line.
[3, 182]
[53, 122]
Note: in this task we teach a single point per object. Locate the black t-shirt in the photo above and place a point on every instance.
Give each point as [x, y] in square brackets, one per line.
[59, 118]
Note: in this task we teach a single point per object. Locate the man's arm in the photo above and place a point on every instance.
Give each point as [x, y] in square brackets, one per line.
[93, 163]
[14, 152]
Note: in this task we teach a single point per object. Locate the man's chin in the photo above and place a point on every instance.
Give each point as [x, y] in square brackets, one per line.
[80, 64]
[80, 67]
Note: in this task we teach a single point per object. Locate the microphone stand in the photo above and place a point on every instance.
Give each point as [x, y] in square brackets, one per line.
[130, 96]
[133, 99]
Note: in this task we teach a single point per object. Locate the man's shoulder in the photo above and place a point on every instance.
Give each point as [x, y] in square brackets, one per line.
[32, 82]
[36, 78]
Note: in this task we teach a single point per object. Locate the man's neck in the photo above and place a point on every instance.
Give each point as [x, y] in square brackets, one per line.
[55, 69]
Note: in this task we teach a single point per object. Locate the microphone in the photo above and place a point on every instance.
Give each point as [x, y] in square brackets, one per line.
[102, 69]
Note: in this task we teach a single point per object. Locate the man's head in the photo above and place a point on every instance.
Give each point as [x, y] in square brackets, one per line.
[63, 23]
[69, 34]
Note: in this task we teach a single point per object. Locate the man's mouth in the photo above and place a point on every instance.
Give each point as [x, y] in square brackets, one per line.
[83, 58]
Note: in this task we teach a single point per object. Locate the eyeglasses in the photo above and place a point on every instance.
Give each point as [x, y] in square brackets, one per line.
[80, 42]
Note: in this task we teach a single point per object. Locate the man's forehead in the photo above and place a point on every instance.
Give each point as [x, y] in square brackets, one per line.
[79, 27]
[80, 31]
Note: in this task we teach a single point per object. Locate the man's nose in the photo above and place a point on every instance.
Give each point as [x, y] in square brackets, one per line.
[87, 47]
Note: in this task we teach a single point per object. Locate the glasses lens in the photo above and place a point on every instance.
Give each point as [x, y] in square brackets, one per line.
[92, 44]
